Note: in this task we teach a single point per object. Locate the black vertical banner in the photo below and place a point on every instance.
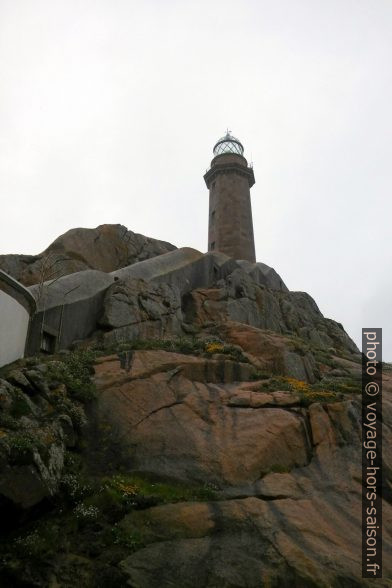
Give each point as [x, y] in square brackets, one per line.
[371, 453]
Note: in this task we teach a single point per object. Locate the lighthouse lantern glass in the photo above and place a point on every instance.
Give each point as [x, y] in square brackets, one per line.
[228, 144]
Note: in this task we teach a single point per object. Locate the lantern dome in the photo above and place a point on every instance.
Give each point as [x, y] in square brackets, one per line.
[228, 144]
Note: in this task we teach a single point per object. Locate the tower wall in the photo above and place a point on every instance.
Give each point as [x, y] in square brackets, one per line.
[230, 228]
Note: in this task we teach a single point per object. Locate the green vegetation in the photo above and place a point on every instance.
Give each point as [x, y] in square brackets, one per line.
[327, 390]
[84, 521]
[279, 469]
[186, 345]
[259, 375]
[350, 384]
[273, 383]
[299, 345]
[178, 344]
[8, 422]
[132, 541]
[232, 351]
[74, 370]
[386, 367]
[23, 441]
[22, 445]
[20, 405]
[136, 486]
[324, 357]
[308, 397]
[38, 541]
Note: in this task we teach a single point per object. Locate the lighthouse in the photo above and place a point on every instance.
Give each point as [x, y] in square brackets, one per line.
[229, 179]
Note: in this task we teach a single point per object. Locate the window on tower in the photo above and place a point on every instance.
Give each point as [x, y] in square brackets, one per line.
[212, 245]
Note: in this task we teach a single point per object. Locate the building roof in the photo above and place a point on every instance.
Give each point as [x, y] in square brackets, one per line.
[17, 291]
[70, 288]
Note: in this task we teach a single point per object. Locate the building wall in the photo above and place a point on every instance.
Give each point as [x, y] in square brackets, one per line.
[14, 324]
[65, 323]
[63, 319]
[67, 310]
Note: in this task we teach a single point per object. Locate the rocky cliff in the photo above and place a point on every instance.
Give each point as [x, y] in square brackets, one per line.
[179, 463]
[284, 463]
[205, 433]
[137, 308]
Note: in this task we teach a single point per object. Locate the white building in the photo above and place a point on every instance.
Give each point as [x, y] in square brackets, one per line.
[17, 305]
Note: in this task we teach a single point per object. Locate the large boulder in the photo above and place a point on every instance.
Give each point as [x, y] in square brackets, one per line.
[26, 485]
[135, 309]
[238, 297]
[31, 458]
[272, 352]
[38, 421]
[309, 541]
[105, 248]
[264, 275]
[150, 399]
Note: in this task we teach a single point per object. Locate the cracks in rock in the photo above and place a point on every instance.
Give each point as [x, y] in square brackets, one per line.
[120, 381]
[268, 498]
[155, 411]
[263, 497]
[307, 427]
[268, 405]
[174, 372]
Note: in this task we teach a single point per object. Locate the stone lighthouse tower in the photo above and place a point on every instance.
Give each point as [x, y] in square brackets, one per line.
[229, 179]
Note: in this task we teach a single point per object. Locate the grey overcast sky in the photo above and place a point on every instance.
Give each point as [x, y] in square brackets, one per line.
[109, 112]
